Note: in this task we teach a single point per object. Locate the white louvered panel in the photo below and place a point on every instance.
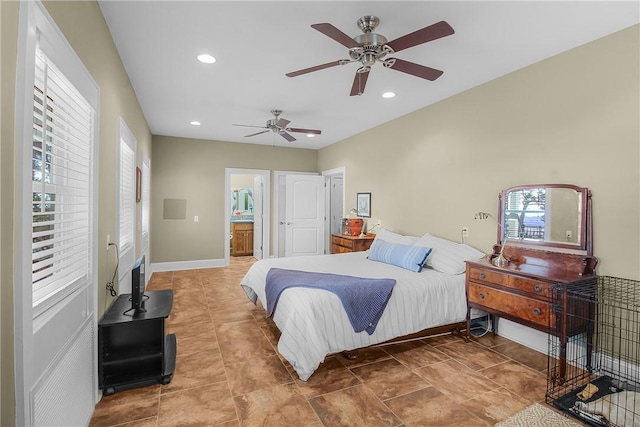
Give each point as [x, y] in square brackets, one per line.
[64, 395]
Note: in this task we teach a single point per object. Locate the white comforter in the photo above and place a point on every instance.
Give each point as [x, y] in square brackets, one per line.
[314, 323]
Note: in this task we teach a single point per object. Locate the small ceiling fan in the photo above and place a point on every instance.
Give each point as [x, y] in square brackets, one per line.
[279, 125]
[370, 47]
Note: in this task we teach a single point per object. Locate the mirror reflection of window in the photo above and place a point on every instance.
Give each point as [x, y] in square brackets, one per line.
[527, 211]
[525, 214]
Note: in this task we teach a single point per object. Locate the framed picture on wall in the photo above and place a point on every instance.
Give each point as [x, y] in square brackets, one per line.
[138, 184]
[363, 202]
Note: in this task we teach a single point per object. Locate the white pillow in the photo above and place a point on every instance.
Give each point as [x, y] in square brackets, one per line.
[391, 237]
[447, 256]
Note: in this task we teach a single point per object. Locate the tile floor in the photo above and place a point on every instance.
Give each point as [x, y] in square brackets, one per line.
[228, 372]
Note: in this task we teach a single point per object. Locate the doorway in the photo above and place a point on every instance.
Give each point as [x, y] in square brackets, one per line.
[334, 204]
[252, 203]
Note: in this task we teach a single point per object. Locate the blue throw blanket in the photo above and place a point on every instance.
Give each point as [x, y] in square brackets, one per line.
[363, 299]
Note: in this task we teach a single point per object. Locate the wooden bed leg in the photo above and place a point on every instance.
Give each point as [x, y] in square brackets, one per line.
[350, 354]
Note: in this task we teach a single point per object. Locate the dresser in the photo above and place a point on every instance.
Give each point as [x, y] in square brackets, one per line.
[531, 290]
[341, 243]
[242, 238]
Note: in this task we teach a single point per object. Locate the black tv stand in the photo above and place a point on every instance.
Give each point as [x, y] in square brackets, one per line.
[133, 349]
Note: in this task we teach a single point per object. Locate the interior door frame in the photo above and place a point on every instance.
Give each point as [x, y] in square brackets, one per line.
[339, 171]
[266, 209]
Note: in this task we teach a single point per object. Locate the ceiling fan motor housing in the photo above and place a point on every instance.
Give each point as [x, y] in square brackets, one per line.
[372, 47]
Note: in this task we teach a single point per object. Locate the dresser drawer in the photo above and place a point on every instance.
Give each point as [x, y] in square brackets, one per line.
[242, 226]
[335, 249]
[518, 306]
[341, 241]
[522, 284]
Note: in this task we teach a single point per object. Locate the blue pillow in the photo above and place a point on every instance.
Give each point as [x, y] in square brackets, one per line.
[405, 256]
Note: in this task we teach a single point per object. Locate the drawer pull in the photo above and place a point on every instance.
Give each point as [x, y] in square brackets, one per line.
[537, 311]
[481, 295]
[483, 276]
[537, 288]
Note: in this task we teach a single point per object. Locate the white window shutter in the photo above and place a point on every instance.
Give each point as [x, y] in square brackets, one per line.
[62, 213]
[126, 207]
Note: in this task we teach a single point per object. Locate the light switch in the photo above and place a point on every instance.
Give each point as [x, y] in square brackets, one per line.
[195, 218]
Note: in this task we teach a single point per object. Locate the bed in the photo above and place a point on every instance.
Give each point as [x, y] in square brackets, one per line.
[313, 322]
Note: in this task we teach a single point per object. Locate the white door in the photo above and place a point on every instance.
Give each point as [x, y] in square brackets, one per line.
[258, 185]
[304, 215]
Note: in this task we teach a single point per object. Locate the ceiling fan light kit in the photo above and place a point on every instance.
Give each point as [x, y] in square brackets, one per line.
[370, 47]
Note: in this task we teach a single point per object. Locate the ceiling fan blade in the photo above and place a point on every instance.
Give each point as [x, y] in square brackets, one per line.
[413, 69]
[316, 68]
[250, 126]
[359, 82]
[286, 136]
[312, 131]
[257, 133]
[331, 31]
[282, 123]
[427, 34]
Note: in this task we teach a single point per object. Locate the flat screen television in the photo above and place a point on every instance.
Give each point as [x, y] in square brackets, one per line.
[137, 286]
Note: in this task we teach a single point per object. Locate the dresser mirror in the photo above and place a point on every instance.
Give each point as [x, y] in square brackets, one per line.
[547, 216]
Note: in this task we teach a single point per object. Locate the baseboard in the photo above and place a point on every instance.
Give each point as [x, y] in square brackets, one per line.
[524, 335]
[186, 265]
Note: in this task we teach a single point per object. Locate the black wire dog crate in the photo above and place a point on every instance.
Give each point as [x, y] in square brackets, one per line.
[596, 376]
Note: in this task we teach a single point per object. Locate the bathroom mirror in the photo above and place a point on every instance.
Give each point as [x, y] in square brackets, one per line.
[548, 215]
[242, 201]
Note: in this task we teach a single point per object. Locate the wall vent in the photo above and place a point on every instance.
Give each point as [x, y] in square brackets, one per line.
[64, 395]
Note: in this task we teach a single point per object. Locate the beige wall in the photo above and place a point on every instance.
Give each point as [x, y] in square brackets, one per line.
[194, 169]
[570, 119]
[84, 27]
[8, 28]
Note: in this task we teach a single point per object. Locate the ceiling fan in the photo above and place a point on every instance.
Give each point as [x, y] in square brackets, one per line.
[370, 47]
[279, 125]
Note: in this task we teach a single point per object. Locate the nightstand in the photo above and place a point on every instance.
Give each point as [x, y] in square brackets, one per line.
[342, 243]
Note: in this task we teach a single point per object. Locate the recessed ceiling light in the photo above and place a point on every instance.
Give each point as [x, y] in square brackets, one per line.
[388, 94]
[311, 135]
[195, 123]
[207, 59]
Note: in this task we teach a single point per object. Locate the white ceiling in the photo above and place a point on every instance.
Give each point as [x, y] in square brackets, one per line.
[257, 42]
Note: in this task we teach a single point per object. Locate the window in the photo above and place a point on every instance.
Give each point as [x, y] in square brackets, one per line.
[127, 202]
[61, 177]
[55, 281]
[127, 206]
